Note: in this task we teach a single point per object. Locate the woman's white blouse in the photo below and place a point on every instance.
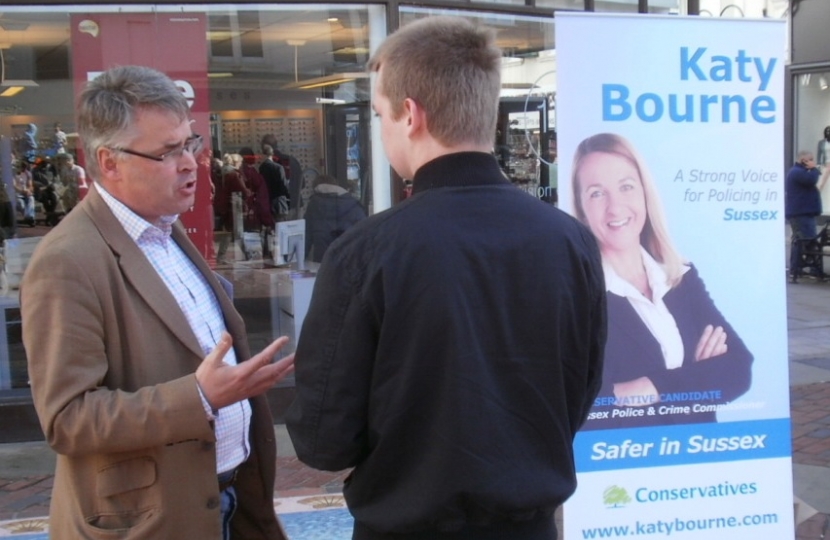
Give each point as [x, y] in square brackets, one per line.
[654, 314]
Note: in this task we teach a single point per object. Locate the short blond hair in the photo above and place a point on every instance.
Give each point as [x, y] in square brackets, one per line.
[654, 236]
[451, 68]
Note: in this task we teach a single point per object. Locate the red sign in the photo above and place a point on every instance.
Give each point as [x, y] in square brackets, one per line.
[174, 43]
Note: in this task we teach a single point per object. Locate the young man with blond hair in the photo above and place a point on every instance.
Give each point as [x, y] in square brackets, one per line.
[453, 344]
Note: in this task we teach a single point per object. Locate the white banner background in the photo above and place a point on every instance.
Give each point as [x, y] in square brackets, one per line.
[741, 262]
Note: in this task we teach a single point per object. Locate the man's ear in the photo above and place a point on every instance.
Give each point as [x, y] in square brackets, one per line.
[108, 164]
[415, 115]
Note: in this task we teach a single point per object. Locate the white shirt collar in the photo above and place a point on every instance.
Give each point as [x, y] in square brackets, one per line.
[655, 273]
[133, 224]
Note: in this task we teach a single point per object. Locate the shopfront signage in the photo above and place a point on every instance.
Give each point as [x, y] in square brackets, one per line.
[168, 42]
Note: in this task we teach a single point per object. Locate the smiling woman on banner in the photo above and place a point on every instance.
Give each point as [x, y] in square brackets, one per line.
[671, 357]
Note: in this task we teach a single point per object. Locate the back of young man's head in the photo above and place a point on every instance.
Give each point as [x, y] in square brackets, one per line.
[451, 68]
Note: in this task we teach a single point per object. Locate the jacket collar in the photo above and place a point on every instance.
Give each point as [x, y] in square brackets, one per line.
[461, 169]
[144, 278]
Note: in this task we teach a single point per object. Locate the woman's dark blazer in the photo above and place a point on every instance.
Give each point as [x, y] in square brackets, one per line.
[632, 352]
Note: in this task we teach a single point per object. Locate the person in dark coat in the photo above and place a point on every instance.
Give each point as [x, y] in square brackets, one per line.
[422, 363]
[802, 203]
[331, 210]
[275, 181]
[293, 171]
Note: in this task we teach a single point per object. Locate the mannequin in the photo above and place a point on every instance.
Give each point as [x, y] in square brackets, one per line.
[823, 150]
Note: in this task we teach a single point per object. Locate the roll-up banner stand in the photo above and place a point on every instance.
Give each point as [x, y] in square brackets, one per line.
[670, 137]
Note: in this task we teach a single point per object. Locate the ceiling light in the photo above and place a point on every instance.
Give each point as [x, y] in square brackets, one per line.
[328, 80]
[11, 91]
[822, 82]
[15, 86]
[216, 35]
[351, 50]
[220, 75]
[333, 19]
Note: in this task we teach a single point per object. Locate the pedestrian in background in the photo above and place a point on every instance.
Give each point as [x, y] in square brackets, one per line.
[802, 204]
[331, 211]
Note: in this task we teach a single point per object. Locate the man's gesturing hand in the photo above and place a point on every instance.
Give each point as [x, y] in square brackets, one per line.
[223, 385]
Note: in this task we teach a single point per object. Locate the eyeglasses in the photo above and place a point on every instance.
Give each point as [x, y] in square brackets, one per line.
[192, 145]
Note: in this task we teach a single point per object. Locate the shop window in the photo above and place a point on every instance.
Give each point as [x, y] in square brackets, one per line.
[812, 118]
[250, 34]
[220, 36]
[296, 72]
[236, 35]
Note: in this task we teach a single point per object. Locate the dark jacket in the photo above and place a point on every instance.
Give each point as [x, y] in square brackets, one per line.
[294, 172]
[451, 351]
[274, 176]
[801, 196]
[330, 212]
[632, 352]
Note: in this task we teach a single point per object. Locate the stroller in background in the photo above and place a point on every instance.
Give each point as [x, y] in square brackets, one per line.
[811, 261]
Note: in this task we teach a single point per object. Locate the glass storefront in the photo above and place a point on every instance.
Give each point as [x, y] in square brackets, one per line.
[296, 73]
[811, 103]
[293, 72]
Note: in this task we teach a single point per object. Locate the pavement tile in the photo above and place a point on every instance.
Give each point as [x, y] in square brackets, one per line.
[811, 529]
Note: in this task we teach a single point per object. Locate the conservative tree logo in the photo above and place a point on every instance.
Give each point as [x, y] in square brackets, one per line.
[615, 497]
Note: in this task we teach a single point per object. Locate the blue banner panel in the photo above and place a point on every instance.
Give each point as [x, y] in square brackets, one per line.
[680, 445]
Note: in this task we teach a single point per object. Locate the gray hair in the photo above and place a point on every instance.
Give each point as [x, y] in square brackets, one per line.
[108, 105]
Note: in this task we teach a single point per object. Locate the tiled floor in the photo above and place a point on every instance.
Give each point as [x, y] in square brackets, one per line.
[308, 502]
[305, 517]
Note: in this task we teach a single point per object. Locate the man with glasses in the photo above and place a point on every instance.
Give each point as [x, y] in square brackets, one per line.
[145, 386]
